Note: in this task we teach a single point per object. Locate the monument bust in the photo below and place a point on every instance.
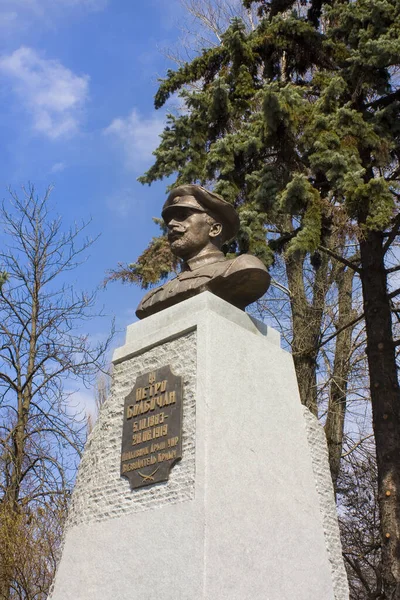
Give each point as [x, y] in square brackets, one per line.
[199, 222]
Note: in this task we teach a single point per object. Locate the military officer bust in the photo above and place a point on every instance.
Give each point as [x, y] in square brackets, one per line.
[198, 223]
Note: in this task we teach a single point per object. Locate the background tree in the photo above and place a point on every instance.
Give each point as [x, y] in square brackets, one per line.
[102, 391]
[29, 547]
[308, 281]
[359, 524]
[42, 347]
[297, 124]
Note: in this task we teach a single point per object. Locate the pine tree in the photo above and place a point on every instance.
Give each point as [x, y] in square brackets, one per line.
[297, 124]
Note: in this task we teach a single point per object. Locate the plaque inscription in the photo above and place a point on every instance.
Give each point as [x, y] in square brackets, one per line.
[152, 428]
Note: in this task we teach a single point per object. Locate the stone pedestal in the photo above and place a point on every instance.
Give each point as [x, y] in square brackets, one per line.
[248, 513]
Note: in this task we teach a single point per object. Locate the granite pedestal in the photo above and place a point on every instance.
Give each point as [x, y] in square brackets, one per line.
[248, 513]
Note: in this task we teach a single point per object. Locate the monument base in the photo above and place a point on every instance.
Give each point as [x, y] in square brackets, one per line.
[248, 513]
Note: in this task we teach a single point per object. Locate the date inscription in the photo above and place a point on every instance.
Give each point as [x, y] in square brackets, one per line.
[152, 428]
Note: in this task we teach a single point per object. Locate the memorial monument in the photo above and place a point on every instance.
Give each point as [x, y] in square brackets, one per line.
[198, 223]
[204, 477]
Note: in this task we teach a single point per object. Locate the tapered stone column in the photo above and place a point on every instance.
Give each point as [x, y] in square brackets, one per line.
[248, 513]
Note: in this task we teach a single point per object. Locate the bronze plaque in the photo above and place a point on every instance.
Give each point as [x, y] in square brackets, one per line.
[152, 429]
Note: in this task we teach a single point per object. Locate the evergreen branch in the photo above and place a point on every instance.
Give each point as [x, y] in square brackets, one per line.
[394, 293]
[384, 100]
[393, 269]
[204, 66]
[277, 244]
[315, 11]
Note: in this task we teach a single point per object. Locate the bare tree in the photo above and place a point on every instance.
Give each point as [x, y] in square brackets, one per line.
[203, 24]
[102, 390]
[29, 546]
[42, 345]
[359, 523]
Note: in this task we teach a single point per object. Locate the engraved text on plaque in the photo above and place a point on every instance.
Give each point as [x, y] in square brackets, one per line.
[152, 428]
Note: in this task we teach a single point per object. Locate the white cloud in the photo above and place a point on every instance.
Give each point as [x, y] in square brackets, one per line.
[52, 93]
[81, 402]
[57, 167]
[138, 136]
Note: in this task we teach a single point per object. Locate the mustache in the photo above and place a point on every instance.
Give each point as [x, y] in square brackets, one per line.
[176, 232]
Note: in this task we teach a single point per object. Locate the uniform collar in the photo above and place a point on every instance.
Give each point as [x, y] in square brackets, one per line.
[200, 261]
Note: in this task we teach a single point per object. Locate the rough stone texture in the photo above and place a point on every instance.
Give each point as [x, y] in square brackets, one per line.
[249, 524]
[100, 493]
[323, 483]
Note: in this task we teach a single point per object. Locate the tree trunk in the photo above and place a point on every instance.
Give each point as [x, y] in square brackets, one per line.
[10, 506]
[385, 398]
[8, 539]
[307, 315]
[338, 386]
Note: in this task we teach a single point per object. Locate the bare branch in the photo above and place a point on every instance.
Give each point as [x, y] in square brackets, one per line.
[357, 444]
[41, 347]
[341, 259]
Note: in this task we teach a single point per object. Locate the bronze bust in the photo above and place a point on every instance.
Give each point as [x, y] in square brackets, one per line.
[198, 223]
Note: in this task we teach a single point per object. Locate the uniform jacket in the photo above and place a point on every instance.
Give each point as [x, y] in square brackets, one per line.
[240, 281]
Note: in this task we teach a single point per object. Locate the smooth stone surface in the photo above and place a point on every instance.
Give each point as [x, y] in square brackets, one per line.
[253, 525]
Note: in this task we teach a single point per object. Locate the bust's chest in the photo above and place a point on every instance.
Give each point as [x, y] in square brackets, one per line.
[185, 285]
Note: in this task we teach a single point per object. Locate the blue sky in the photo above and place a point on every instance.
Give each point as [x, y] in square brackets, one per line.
[78, 79]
